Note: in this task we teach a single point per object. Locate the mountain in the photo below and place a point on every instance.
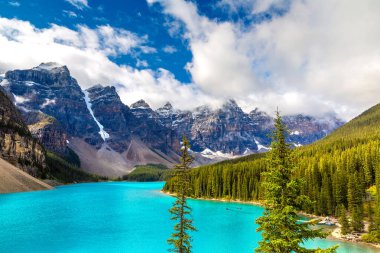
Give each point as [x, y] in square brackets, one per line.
[49, 88]
[228, 131]
[111, 138]
[19, 148]
[17, 145]
[336, 170]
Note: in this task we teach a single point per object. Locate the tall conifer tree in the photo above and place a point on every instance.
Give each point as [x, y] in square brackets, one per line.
[281, 231]
[181, 211]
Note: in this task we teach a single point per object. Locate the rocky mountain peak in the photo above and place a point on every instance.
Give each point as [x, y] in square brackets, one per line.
[141, 104]
[166, 110]
[168, 106]
[231, 105]
[99, 93]
[50, 66]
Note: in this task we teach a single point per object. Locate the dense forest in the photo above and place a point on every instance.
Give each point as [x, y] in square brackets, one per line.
[149, 173]
[337, 172]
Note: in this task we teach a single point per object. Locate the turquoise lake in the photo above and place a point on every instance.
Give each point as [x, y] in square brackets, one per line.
[124, 217]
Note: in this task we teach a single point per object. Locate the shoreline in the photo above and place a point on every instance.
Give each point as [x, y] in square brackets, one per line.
[333, 235]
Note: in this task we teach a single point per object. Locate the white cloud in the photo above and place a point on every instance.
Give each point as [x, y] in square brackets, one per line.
[14, 3]
[86, 52]
[317, 57]
[79, 4]
[169, 49]
[69, 14]
[250, 6]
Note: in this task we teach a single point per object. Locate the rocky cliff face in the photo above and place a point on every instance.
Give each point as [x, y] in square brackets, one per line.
[124, 124]
[17, 145]
[48, 131]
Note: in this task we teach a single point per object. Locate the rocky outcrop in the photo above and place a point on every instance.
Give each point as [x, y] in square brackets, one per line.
[17, 145]
[48, 131]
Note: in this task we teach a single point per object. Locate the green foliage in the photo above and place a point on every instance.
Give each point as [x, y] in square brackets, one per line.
[71, 157]
[63, 171]
[343, 221]
[371, 237]
[149, 173]
[181, 239]
[279, 226]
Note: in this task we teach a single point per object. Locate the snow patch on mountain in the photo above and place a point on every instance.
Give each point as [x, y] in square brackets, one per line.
[20, 99]
[295, 133]
[102, 133]
[48, 66]
[4, 82]
[208, 153]
[48, 102]
[260, 147]
[30, 83]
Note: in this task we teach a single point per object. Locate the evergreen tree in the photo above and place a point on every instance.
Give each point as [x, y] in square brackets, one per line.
[345, 225]
[180, 239]
[371, 226]
[281, 231]
[377, 204]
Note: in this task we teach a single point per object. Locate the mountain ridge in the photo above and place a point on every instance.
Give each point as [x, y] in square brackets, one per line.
[97, 116]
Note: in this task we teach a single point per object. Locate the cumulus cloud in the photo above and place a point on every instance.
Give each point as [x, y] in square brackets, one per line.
[86, 52]
[79, 4]
[317, 57]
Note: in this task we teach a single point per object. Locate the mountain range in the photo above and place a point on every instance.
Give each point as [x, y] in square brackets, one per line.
[111, 138]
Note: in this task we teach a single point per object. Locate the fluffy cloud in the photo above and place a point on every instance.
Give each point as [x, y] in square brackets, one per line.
[79, 4]
[317, 57]
[86, 52]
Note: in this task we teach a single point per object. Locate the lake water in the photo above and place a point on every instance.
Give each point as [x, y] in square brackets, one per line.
[124, 217]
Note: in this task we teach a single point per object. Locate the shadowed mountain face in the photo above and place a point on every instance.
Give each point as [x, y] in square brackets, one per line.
[111, 138]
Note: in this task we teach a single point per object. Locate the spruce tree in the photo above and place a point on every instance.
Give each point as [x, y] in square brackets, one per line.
[181, 211]
[345, 225]
[281, 232]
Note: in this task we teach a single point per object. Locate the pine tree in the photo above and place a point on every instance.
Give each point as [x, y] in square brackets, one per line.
[377, 203]
[345, 225]
[281, 231]
[180, 239]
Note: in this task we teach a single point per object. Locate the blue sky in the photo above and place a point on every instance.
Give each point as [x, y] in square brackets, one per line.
[305, 56]
[135, 16]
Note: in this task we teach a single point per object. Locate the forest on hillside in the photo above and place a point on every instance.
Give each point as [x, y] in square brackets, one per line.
[338, 172]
